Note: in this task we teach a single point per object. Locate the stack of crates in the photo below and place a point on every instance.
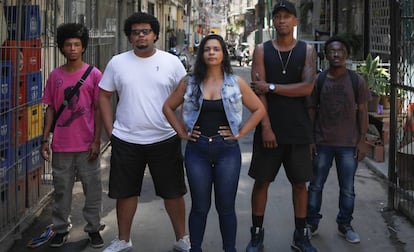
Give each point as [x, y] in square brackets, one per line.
[6, 155]
[22, 50]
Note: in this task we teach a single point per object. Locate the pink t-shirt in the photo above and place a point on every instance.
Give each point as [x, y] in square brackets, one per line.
[74, 131]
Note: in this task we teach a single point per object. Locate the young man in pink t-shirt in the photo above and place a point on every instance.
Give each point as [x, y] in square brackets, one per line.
[76, 136]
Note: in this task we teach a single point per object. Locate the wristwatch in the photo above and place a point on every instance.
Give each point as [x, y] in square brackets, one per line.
[272, 88]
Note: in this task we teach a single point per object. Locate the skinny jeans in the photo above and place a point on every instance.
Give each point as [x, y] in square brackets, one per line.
[213, 162]
[346, 166]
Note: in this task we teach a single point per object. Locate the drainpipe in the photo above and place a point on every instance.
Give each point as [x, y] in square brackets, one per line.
[395, 21]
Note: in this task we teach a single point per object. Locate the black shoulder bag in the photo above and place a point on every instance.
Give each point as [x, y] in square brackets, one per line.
[69, 97]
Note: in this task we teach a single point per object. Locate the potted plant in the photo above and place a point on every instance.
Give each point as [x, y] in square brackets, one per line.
[377, 79]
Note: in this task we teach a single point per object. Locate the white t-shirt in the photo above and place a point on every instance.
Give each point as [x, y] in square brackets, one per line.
[143, 84]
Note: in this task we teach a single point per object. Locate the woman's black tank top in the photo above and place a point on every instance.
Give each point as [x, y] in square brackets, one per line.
[212, 115]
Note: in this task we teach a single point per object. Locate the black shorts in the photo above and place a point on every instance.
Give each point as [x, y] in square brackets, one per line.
[296, 160]
[128, 163]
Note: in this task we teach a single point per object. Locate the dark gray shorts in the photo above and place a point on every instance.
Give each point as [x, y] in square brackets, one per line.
[296, 160]
[128, 163]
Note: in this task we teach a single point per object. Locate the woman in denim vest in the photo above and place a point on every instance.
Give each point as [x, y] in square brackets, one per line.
[213, 99]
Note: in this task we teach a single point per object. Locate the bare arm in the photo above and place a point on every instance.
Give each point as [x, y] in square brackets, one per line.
[98, 124]
[49, 117]
[311, 103]
[258, 74]
[299, 89]
[175, 99]
[254, 105]
[106, 112]
[95, 147]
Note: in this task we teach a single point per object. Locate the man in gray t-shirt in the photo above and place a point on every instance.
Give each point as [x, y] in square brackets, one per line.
[340, 123]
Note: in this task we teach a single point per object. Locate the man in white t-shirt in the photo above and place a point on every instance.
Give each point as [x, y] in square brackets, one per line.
[140, 134]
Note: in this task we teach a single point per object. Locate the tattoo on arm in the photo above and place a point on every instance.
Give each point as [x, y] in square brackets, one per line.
[309, 70]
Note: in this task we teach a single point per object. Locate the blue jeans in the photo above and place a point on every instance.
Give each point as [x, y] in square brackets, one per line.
[346, 166]
[212, 161]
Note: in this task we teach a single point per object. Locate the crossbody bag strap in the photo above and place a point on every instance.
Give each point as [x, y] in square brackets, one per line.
[73, 92]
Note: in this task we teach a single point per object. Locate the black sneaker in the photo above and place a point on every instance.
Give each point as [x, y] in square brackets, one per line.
[301, 241]
[256, 242]
[59, 239]
[96, 240]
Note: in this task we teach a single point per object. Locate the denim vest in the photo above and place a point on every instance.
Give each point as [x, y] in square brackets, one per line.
[232, 101]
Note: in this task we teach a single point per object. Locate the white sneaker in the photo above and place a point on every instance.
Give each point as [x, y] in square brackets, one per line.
[183, 245]
[119, 245]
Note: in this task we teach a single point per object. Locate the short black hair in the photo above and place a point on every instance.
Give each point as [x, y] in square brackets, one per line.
[142, 18]
[72, 30]
[339, 39]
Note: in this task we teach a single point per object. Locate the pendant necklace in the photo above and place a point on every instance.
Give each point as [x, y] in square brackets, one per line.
[284, 66]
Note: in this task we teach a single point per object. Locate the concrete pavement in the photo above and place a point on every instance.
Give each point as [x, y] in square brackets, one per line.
[380, 230]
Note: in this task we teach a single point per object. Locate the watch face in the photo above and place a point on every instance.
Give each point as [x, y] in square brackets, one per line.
[272, 87]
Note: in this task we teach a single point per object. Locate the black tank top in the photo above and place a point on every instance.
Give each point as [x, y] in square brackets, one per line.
[288, 115]
[212, 115]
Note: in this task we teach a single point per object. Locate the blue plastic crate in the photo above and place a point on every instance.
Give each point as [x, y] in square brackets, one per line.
[34, 87]
[6, 161]
[5, 123]
[21, 160]
[29, 21]
[6, 78]
[34, 159]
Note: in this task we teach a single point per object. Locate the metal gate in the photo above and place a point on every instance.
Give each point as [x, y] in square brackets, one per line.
[28, 55]
[401, 152]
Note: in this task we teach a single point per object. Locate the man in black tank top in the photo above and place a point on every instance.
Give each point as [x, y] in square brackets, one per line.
[283, 71]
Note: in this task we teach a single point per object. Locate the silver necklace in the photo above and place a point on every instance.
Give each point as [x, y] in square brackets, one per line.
[284, 66]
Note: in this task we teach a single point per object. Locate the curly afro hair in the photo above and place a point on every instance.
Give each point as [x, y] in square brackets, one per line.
[72, 30]
[142, 18]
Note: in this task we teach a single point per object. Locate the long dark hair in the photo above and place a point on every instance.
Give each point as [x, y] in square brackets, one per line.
[200, 67]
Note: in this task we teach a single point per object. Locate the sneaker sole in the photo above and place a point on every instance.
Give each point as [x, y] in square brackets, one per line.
[180, 250]
[96, 245]
[260, 247]
[126, 249]
[60, 244]
[350, 241]
[295, 248]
